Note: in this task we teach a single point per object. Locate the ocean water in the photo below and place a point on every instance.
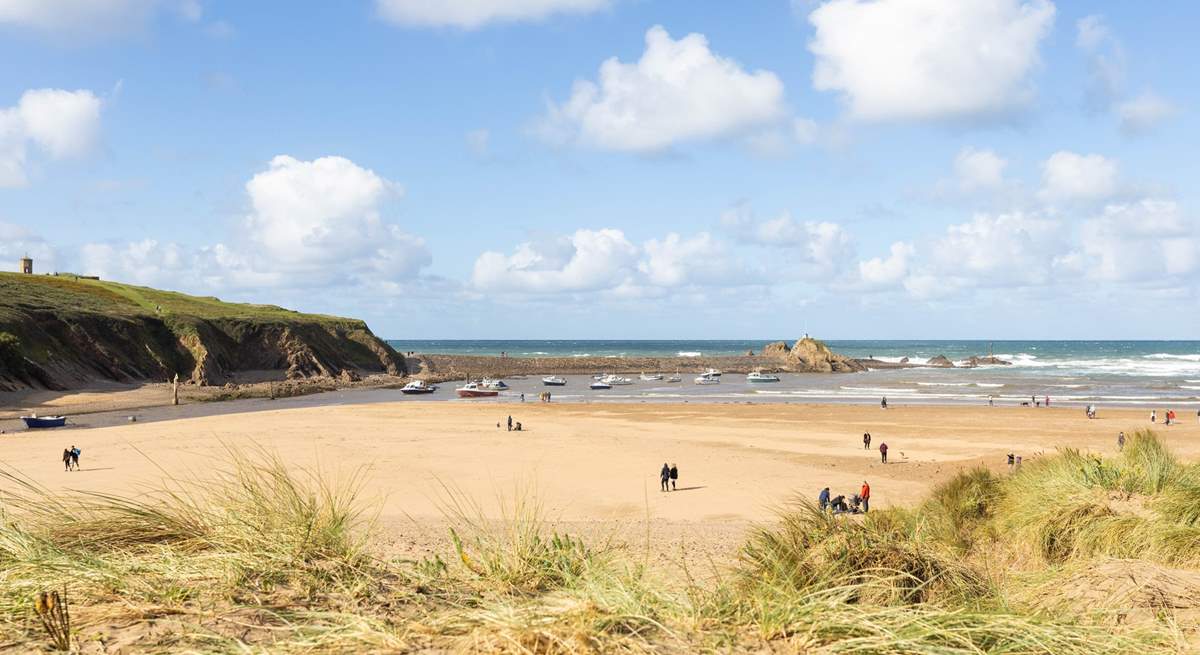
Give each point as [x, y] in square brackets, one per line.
[1117, 373]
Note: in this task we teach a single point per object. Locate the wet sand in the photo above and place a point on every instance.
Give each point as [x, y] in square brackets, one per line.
[588, 464]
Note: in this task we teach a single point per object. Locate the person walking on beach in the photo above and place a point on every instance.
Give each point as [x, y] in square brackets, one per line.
[823, 499]
[865, 495]
[883, 403]
[866, 441]
[66, 459]
[883, 452]
[1012, 460]
[1047, 401]
[674, 476]
[664, 476]
[510, 424]
[1121, 441]
[1153, 415]
[75, 457]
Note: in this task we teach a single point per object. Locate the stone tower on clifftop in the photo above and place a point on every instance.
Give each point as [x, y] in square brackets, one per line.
[27, 265]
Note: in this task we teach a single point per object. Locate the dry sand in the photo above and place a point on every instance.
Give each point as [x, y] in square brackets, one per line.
[594, 467]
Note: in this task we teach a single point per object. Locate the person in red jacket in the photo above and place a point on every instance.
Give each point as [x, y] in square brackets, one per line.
[865, 494]
[883, 452]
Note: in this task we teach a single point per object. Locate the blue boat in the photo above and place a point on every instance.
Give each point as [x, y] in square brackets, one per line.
[44, 421]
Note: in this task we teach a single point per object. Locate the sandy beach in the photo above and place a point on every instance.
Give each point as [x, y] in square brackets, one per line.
[589, 465]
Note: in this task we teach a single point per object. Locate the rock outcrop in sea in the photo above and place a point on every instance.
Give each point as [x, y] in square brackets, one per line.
[810, 355]
[940, 361]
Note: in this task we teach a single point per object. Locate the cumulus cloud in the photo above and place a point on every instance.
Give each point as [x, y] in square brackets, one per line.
[929, 59]
[588, 260]
[1144, 113]
[1009, 249]
[817, 248]
[679, 90]
[60, 123]
[890, 270]
[606, 261]
[90, 17]
[473, 14]
[1148, 240]
[1074, 177]
[979, 169]
[311, 224]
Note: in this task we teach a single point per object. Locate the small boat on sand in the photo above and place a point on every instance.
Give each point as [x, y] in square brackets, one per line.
[554, 381]
[674, 378]
[475, 390]
[712, 373]
[600, 385]
[37, 422]
[653, 377]
[708, 378]
[616, 380]
[417, 387]
[759, 376]
[494, 385]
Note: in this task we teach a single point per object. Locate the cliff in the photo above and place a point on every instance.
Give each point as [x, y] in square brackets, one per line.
[59, 332]
[809, 355]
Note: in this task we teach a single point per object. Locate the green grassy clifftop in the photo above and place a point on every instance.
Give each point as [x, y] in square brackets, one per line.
[59, 332]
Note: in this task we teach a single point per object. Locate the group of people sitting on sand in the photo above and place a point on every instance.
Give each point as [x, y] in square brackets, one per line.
[859, 503]
[512, 427]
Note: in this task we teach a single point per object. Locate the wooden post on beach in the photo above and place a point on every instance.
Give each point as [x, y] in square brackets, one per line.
[175, 390]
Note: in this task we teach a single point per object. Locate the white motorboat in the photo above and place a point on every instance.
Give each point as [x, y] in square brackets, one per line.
[674, 378]
[417, 387]
[554, 381]
[712, 373]
[616, 380]
[759, 376]
[475, 390]
[705, 378]
[653, 377]
[599, 385]
[494, 385]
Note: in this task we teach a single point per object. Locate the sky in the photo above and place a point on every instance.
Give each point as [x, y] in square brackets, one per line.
[658, 169]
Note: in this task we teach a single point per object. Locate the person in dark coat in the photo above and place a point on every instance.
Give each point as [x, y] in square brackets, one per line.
[866, 441]
[66, 459]
[823, 499]
[510, 424]
[883, 452]
[664, 476]
[674, 476]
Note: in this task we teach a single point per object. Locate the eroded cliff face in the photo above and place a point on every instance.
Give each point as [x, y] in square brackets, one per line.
[82, 340]
[809, 355]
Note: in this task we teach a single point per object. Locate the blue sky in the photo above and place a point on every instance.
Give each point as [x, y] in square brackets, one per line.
[619, 168]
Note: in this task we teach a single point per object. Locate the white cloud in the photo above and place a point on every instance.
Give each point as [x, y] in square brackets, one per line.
[675, 261]
[588, 260]
[889, 271]
[816, 248]
[322, 218]
[1071, 176]
[473, 14]
[678, 91]
[1146, 240]
[1010, 249]
[805, 130]
[979, 169]
[1091, 32]
[17, 241]
[1144, 112]
[61, 123]
[929, 59]
[90, 18]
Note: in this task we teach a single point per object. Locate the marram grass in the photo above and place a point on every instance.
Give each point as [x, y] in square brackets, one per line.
[261, 558]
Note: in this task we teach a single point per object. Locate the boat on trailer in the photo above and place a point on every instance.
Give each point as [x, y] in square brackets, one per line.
[36, 422]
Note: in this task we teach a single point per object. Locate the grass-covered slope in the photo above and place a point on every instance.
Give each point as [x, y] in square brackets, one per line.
[261, 558]
[59, 332]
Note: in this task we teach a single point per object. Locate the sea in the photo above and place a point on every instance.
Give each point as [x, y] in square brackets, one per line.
[1158, 374]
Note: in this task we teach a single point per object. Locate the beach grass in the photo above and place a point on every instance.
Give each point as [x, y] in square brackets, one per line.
[256, 556]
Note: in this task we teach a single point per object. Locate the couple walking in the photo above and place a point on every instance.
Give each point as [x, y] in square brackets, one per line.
[668, 476]
[70, 458]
